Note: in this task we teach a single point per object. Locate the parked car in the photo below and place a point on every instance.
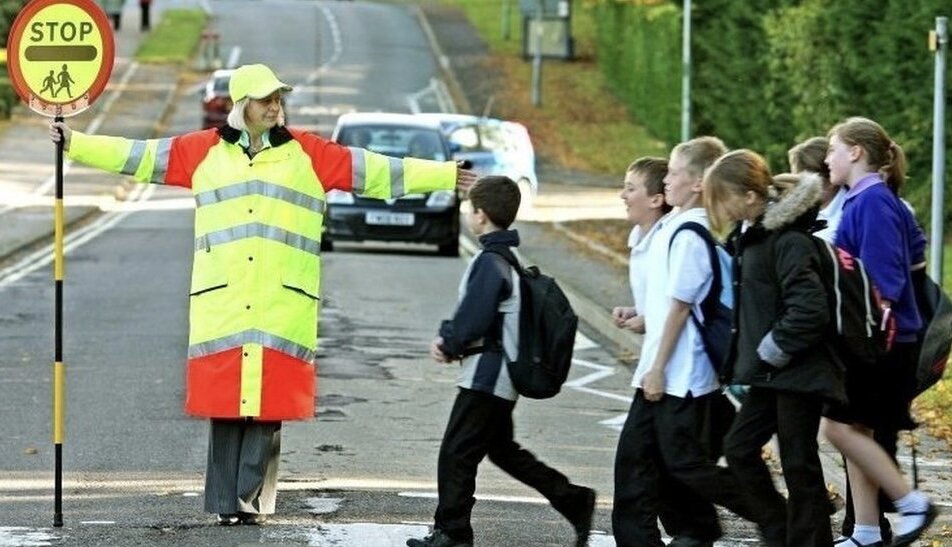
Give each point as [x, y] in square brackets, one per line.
[216, 102]
[426, 218]
[495, 147]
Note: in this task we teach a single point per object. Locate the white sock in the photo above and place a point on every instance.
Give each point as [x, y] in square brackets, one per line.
[913, 502]
[866, 534]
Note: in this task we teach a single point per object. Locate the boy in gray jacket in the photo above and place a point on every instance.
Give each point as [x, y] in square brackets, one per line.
[484, 334]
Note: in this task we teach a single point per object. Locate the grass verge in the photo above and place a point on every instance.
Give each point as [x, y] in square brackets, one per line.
[174, 39]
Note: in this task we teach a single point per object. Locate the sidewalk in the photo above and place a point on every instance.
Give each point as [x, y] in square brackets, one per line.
[596, 282]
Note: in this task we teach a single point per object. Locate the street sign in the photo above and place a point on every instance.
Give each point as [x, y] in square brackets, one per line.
[60, 55]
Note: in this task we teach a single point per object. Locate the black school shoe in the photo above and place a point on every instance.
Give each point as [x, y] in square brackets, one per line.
[684, 541]
[252, 519]
[582, 520]
[438, 539]
[903, 540]
[228, 520]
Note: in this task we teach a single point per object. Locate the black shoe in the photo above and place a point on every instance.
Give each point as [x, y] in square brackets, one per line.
[252, 519]
[850, 542]
[930, 514]
[685, 541]
[438, 539]
[583, 518]
[228, 520]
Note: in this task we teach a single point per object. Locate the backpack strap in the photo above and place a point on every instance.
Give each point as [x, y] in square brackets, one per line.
[715, 292]
[506, 252]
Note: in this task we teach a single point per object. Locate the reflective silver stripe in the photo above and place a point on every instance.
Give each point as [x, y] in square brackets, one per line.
[257, 229]
[260, 188]
[396, 178]
[135, 158]
[162, 149]
[252, 336]
[359, 168]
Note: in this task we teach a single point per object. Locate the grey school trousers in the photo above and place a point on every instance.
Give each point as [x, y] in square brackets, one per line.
[242, 471]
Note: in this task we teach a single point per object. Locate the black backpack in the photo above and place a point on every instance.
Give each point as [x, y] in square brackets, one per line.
[855, 311]
[935, 338]
[547, 326]
[718, 305]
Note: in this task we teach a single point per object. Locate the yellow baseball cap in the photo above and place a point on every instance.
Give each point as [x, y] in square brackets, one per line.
[254, 81]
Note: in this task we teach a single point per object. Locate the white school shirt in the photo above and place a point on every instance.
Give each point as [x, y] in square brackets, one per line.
[638, 263]
[832, 214]
[685, 274]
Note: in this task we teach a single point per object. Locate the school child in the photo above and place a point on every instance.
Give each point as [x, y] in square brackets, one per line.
[781, 319]
[643, 195]
[661, 442]
[485, 329]
[810, 156]
[875, 227]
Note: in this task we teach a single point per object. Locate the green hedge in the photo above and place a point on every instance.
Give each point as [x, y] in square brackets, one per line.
[639, 50]
[768, 73]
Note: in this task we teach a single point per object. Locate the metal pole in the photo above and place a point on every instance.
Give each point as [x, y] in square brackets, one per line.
[686, 72]
[537, 58]
[941, 42]
[58, 368]
[505, 19]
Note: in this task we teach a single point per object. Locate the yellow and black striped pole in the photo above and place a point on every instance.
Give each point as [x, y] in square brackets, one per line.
[58, 367]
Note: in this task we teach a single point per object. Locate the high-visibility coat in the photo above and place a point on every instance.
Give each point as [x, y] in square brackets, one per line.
[257, 267]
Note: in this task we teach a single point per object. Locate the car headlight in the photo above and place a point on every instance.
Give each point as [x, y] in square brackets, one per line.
[337, 196]
[441, 198]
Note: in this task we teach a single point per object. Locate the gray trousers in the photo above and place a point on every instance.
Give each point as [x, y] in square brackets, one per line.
[242, 472]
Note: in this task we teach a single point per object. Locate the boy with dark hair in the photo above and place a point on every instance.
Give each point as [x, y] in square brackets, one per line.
[483, 335]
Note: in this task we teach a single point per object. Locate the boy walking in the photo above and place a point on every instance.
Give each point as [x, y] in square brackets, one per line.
[661, 459]
[483, 334]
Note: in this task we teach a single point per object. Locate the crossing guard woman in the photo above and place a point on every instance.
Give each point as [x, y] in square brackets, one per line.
[259, 189]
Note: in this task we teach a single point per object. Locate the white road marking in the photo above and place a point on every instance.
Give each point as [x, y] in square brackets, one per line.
[357, 533]
[19, 536]
[338, 47]
[73, 240]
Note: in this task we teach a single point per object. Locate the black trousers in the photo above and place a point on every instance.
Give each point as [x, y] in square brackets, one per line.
[480, 425]
[803, 519]
[662, 468]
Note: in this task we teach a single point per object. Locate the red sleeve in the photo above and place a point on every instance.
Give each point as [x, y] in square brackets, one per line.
[186, 153]
[331, 162]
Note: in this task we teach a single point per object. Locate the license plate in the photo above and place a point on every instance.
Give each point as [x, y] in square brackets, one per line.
[386, 218]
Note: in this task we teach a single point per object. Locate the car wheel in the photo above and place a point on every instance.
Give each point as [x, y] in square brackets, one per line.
[326, 244]
[450, 249]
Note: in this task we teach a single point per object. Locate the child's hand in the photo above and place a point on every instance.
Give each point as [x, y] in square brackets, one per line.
[436, 352]
[635, 324]
[652, 384]
[620, 314]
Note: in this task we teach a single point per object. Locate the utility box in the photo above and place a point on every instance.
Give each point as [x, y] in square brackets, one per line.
[554, 25]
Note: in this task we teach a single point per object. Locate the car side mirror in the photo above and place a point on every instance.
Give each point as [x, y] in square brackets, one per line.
[455, 147]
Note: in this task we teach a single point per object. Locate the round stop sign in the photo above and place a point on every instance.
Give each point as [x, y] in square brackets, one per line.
[60, 55]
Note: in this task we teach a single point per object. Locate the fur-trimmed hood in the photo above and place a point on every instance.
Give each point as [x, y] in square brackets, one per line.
[798, 206]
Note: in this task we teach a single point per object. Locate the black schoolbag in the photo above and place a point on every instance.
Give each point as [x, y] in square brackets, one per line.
[855, 307]
[935, 338]
[718, 305]
[547, 326]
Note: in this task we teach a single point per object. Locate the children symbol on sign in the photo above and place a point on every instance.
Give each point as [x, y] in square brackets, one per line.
[64, 81]
[48, 84]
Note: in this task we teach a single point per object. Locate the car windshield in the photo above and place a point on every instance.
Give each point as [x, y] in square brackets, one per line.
[396, 141]
[221, 85]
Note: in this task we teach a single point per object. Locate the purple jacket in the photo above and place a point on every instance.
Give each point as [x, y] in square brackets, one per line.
[878, 228]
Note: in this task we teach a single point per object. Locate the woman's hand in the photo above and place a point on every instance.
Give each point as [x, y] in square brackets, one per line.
[464, 179]
[58, 131]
